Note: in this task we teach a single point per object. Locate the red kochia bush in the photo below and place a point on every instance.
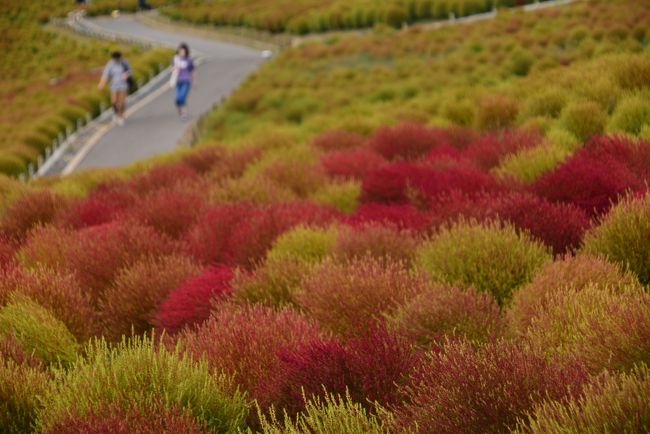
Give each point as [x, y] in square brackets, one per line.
[461, 389]
[354, 163]
[7, 249]
[38, 207]
[559, 225]
[208, 239]
[634, 154]
[103, 205]
[372, 368]
[132, 300]
[487, 151]
[243, 341]
[157, 417]
[381, 241]
[335, 140]
[388, 183]
[170, 212]
[255, 234]
[189, 304]
[403, 217]
[589, 183]
[406, 141]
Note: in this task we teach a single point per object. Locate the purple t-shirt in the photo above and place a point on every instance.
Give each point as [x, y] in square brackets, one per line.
[185, 66]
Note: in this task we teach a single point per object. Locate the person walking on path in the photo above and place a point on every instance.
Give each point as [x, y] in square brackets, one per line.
[118, 72]
[182, 76]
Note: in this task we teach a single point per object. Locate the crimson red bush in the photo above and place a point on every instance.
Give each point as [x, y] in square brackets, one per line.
[635, 154]
[190, 303]
[559, 225]
[371, 368]
[429, 184]
[388, 183]
[335, 140]
[38, 207]
[353, 163]
[463, 389]
[403, 217]
[208, 239]
[406, 141]
[7, 251]
[103, 205]
[487, 151]
[589, 183]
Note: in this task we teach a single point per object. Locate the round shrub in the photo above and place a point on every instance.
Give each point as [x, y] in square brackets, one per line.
[631, 115]
[406, 141]
[170, 212]
[592, 184]
[304, 244]
[441, 312]
[633, 72]
[487, 151]
[496, 112]
[571, 272]
[344, 196]
[613, 403]
[609, 328]
[56, 291]
[372, 368]
[189, 304]
[274, 283]
[244, 341]
[381, 241]
[37, 330]
[30, 210]
[622, 237]
[493, 258]
[463, 389]
[103, 205]
[347, 297]
[549, 101]
[130, 303]
[131, 376]
[161, 177]
[584, 119]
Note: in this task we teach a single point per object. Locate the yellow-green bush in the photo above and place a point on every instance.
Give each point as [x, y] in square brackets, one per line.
[22, 389]
[622, 237]
[584, 119]
[631, 114]
[344, 196]
[529, 164]
[38, 331]
[138, 372]
[304, 243]
[329, 415]
[613, 403]
[490, 257]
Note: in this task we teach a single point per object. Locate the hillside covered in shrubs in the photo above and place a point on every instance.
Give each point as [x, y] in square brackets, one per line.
[434, 231]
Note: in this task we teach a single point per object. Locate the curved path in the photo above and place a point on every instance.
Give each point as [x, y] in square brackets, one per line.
[155, 127]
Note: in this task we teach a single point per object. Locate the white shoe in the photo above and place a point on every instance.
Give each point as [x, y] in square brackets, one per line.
[120, 121]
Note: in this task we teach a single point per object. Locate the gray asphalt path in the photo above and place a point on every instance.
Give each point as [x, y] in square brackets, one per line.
[156, 127]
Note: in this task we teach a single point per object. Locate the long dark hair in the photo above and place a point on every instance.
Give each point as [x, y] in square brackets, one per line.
[185, 47]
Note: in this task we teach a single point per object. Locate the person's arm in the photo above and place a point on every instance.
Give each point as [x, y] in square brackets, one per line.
[104, 79]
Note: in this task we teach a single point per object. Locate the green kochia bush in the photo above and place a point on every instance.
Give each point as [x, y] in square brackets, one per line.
[491, 257]
[133, 375]
[613, 404]
[37, 330]
[21, 390]
[333, 414]
[622, 237]
[584, 119]
[632, 114]
[304, 243]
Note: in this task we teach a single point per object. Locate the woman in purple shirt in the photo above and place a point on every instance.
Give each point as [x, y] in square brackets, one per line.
[183, 70]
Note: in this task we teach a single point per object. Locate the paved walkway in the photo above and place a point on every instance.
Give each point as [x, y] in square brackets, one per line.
[156, 128]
